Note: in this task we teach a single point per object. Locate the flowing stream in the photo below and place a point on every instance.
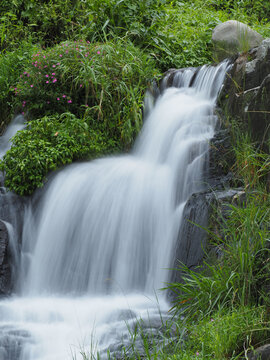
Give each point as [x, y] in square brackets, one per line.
[97, 247]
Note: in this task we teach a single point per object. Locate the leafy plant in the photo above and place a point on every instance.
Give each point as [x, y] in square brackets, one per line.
[47, 144]
[104, 81]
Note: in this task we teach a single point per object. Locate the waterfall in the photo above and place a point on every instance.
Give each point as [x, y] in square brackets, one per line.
[18, 123]
[97, 247]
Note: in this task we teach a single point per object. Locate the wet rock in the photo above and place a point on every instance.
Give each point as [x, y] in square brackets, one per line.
[261, 353]
[12, 342]
[5, 261]
[233, 36]
[192, 243]
[245, 94]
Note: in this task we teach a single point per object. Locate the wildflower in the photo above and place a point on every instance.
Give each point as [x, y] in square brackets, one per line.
[81, 85]
[47, 82]
[23, 113]
[69, 101]
[47, 75]
[53, 73]
[58, 99]
[197, 353]
[53, 66]
[58, 63]
[98, 52]
[48, 102]
[31, 85]
[64, 95]
[60, 55]
[54, 80]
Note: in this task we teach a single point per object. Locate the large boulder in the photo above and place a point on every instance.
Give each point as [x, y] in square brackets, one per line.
[232, 37]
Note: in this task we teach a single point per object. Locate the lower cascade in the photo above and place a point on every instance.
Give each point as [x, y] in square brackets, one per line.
[98, 244]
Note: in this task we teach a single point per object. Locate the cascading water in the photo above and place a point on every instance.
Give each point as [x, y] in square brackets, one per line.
[18, 123]
[103, 235]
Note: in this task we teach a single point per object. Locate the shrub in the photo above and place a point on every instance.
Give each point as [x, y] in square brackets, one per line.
[105, 81]
[12, 65]
[47, 144]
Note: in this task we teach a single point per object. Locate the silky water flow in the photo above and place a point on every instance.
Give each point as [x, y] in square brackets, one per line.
[97, 248]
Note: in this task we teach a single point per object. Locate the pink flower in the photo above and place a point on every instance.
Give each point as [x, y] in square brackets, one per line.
[54, 80]
[44, 57]
[31, 85]
[53, 66]
[98, 52]
[53, 73]
[66, 51]
[197, 353]
[60, 55]
[23, 113]
[81, 85]
[46, 75]
[58, 64]
[69, 101]
[48, 102]
[58, 99]
[25, 73]
[47, 82]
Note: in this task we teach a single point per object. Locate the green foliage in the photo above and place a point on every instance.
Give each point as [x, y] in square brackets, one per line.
[226, 335]
[46, 22]
[105, 81]
[239, 278]
[12, 65]
[47, 144]
[252, 163]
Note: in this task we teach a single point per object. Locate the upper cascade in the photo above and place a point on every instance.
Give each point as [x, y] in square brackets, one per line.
[111, 224]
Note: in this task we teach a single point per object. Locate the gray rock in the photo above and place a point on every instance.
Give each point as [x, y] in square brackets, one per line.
[261, 353]
[5, 263]
[246, 92]
[233, 36]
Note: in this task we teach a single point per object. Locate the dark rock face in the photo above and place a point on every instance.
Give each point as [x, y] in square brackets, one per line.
[246, 92]
[11, 221]
[192, 241]
[5, 266]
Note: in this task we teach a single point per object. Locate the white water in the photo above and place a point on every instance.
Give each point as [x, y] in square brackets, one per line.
[18, 123]
[102, 238]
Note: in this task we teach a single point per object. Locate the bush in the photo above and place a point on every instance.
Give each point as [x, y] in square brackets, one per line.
[104, 81]
[12, 65]
[47, 144]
